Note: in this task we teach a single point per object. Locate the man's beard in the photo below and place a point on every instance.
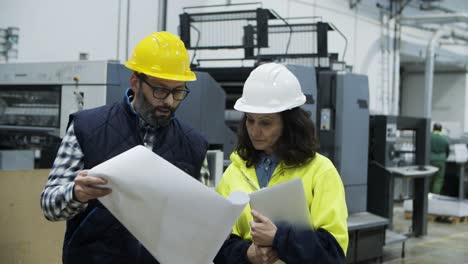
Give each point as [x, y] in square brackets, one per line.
[148, 112]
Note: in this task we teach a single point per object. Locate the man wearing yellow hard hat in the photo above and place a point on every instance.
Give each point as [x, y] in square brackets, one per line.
[145, 117]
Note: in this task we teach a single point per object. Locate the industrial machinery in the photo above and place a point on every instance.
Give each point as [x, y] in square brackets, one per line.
[395, 144]
[204, 110]
[343, 125]
[343, 130]
[337, 98]
[334, 98]
[37, 98]
[240, 25]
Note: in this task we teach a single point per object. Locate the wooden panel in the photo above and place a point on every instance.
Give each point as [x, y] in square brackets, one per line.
[25, 235]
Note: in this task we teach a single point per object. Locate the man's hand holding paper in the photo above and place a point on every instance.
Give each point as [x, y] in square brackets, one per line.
[177, 218]
[89, 187]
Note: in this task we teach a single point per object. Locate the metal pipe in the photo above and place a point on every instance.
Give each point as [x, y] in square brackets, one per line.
[396, 77]
[162, 18]
[456, 33]
[429, 71]
[460, 34]
[395, 88]
[430, 7]
[384, 67]
[128, 30]
[119, 9]
[441, 32]
[395, 95]
[260, 4]
[437, 19]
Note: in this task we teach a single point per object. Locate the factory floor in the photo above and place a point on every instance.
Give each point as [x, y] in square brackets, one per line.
[444, 243]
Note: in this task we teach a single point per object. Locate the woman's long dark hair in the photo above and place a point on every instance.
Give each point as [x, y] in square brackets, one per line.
[296, 145]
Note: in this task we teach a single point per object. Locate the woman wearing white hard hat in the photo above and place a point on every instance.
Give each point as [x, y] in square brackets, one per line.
[277, 143]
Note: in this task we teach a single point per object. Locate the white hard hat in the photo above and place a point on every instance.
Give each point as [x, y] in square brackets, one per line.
[270, 88]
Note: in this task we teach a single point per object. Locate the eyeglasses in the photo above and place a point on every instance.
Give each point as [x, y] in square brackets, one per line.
[162, 92]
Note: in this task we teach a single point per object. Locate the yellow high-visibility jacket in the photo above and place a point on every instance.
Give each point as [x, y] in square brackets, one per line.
[323, 189]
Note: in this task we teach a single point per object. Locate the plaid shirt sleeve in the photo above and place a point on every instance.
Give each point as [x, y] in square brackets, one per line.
[57, 197]
[205, 173]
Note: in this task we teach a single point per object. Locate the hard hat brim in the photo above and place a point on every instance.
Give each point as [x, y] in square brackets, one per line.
[246, 108]
[189, 76]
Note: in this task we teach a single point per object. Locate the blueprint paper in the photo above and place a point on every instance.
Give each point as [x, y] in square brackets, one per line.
[177, 218]
[285, 202]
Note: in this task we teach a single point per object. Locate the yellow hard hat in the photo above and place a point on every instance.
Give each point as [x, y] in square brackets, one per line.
[162, 55]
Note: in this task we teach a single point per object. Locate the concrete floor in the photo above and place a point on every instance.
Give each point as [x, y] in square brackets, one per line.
[444, 243]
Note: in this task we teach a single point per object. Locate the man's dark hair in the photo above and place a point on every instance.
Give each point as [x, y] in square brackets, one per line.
[437, 127]
[297, 144]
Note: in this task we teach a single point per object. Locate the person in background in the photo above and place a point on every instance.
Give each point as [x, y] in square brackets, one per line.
[439, 152]
[144, 117]
[277, 143]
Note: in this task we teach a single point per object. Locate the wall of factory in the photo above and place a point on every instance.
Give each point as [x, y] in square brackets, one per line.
[54, 30]
[449, 99]
[368, 48]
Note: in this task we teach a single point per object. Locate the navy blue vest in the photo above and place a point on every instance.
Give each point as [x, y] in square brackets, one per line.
[95, 235]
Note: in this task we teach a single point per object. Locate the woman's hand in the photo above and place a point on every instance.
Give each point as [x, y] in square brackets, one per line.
[261, 255]
[263, 230]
